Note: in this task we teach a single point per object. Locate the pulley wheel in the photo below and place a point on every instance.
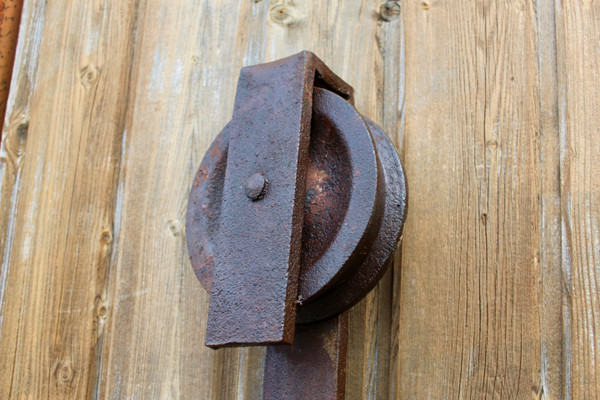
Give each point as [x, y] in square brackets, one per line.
[354, 209]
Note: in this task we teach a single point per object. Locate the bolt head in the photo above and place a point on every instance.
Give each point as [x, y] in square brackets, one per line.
[256, 186]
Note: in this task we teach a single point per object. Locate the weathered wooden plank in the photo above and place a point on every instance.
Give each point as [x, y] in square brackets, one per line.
[578, 27]
[183, 86]
[63, 145]
[12, 154]
[470, 298]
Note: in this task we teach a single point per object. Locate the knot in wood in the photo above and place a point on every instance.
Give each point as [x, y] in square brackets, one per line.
[389, 10]
[282, 14]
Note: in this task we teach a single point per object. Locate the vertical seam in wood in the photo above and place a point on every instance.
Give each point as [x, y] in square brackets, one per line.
[543, 388]
[565, 251]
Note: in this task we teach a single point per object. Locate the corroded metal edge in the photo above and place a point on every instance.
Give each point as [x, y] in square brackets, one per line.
[314, 367]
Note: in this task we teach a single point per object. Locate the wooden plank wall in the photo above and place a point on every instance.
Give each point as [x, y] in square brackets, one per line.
[493, 106]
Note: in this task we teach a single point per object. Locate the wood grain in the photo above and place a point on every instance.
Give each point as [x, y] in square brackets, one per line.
[492, 105]
[56, 257]
[470, 302]
[552, 367]
[578, 27]
[181, 96]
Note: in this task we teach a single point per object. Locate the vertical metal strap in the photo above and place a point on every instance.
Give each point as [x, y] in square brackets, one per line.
[314, 367]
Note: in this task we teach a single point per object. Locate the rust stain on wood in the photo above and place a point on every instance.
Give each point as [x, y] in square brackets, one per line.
[10, 18]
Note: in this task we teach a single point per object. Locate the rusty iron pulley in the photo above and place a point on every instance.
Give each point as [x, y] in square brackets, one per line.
[294, 215]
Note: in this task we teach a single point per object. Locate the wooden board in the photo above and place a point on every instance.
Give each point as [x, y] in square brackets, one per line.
[470, 296]
[492, 105]
[578, 27]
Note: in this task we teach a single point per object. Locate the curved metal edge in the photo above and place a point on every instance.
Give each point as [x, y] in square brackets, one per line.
[204, 211]
[205, 214]
[349, 292]
[350, 244]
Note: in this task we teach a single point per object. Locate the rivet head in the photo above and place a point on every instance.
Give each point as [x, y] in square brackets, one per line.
[256, 186]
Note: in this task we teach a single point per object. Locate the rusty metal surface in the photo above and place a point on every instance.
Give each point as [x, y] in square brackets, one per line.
[328, 193]
[338, 127]
[259, 240]
[380, 254]
[10, 18]
[294, 215]
[204, 209]
[258, 243]
[314, 367]
[204, 205]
